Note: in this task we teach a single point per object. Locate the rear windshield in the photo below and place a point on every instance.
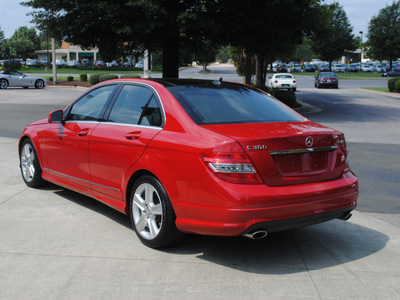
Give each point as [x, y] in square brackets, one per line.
[231, 103]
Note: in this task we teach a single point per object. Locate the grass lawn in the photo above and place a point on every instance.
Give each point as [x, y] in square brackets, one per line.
[379, 89]
[77, 71]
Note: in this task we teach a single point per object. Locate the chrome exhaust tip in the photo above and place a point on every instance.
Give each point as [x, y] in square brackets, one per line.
[346, 216]
[256, 235]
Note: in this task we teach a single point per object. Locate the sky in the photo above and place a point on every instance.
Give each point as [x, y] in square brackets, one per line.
[359, 13]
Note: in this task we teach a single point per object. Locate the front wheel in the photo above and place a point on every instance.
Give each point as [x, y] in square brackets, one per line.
[152, 215]
[30, 166]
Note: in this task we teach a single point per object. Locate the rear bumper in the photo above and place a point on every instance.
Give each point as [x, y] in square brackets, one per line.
[243, 209]
[281, 225]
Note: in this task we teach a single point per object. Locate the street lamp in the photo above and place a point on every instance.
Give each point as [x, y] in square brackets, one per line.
[361, 49]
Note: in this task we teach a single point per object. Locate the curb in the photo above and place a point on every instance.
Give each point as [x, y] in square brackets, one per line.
[67, 87]
[389, 94]
[306, 108]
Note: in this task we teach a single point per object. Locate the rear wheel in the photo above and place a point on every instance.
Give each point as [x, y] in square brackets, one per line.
[30, 166]
[39, 84]
[3, 84]
[152, 214]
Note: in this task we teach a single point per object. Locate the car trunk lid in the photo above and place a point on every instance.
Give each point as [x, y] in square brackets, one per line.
[288, 153]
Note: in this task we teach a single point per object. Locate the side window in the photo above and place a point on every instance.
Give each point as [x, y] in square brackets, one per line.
[91, 106]
[132, 106]
[151, 114]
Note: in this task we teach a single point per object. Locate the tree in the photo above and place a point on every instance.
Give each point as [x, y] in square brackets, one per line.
[265, 29]
[24, 42]
[332, 35]
[117, 26]
[384, 34]
[2, 39]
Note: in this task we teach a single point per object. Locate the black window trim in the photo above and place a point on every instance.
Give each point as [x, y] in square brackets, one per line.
[115, 97]
[107, 104]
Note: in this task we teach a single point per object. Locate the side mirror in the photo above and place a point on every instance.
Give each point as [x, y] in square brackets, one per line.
[56, 116]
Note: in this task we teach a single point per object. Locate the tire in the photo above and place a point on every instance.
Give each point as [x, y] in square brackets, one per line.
[30, 166]
[39, 84]
[3, 84]
[294, 89]
[152, 215]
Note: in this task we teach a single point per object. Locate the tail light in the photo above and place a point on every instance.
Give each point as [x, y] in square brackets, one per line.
[233, 168]
[276, 81]
[294, 81]
[345, 156]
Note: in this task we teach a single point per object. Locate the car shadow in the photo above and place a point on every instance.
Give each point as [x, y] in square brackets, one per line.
[316, 247]
[89, 203]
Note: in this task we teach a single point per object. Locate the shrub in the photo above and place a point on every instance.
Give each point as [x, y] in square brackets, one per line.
[83, 77]
[287, 97]
[94, 79]
[107, 77]
[50, 78]
[391, 84]
[70, 78]
[130, 76]
[15, 65]
[397, 85]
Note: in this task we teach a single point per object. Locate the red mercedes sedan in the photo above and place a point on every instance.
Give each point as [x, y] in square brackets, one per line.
[193, 156]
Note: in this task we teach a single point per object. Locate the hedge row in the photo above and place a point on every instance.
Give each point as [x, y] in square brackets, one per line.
[285, 96]
[96, 78]
[394, 85]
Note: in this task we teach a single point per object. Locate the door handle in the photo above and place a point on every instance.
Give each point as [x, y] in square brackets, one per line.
[133, 135]
[83, 132]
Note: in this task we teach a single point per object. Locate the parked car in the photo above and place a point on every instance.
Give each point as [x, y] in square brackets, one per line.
[32, 62]
[323, 68]
[326, 79]
[127, 64]
[139, 64]
[381, 68]
[309, 68]
[281, 68]
[353, 68]
[60, 62]
[12, 78]
[99, 63]
[339, 68]
[43, 61]
[73, 63]
[282, 81]
[114, 63]
[394, 73]
[366, 68]
[85, 62]
[294, 67]
[193, 156]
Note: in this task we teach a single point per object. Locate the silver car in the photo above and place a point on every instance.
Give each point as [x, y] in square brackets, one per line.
[11, 78]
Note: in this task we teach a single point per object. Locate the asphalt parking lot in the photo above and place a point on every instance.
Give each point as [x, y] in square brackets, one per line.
[57, 244]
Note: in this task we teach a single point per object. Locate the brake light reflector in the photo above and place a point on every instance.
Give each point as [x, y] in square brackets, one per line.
[233, 168]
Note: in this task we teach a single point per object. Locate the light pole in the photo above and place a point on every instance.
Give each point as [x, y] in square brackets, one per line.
[361, 49]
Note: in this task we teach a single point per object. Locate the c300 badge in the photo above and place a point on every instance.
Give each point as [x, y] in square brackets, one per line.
[257, 147]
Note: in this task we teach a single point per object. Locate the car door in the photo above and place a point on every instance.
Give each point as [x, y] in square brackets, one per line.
[18, 79]
[68, 141]
[116, 144]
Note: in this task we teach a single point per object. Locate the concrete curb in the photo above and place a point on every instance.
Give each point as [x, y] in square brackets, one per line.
[388, 94]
